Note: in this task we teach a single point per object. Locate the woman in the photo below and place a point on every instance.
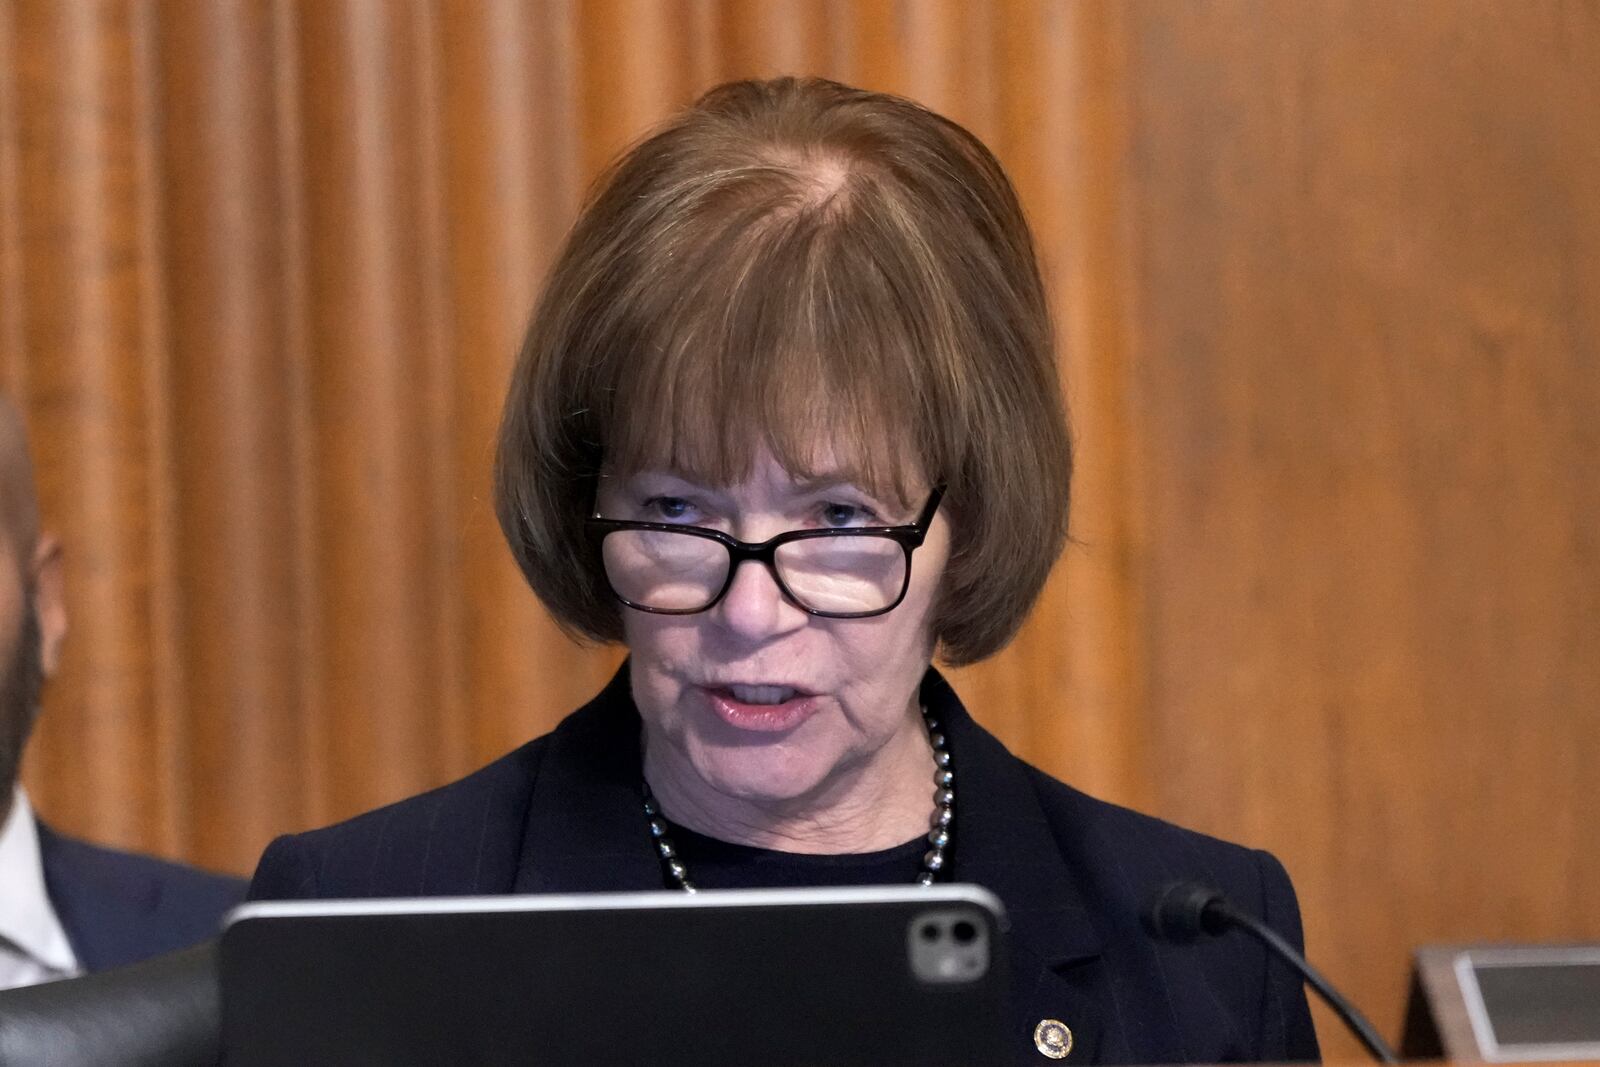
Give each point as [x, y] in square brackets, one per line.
[787, 424]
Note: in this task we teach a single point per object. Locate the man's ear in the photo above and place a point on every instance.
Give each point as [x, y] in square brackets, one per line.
[49, 601]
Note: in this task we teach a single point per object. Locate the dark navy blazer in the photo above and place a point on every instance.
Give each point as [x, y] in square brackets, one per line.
[121, 907]
[562, 814]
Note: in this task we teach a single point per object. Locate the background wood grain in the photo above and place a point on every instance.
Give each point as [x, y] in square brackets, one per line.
[1328, 277]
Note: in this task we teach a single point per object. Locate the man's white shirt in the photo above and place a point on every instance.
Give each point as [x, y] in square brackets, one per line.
[33, 945]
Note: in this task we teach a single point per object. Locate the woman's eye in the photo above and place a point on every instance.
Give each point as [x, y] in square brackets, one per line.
[668, 509]
[836, 514]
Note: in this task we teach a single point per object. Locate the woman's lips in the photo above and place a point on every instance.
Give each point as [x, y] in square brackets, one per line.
[761, 718]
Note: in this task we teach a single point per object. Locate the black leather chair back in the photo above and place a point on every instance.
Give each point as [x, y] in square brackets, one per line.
[164, 1012]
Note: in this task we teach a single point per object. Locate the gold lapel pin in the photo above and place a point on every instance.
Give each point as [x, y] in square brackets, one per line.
[1053, 1038]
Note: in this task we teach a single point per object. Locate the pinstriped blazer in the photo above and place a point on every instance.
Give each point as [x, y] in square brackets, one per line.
[561, 814]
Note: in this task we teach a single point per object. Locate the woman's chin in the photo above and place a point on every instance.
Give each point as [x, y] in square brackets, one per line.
[759, 774]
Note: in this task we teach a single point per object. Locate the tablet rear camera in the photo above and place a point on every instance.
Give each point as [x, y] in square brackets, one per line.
[947, 945]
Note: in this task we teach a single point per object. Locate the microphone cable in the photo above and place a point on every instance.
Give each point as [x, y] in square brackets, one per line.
[1183, 911]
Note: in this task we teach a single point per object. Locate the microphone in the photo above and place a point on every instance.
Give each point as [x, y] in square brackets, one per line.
[1184, 911]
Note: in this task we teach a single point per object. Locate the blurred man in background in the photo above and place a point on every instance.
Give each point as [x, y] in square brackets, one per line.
[66, 906]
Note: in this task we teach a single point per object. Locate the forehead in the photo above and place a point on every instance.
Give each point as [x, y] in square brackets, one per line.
[788, 467]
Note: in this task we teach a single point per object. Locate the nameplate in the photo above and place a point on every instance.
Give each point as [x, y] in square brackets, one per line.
[1530, 1003]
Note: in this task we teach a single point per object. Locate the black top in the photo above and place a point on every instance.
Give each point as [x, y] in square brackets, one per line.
[715, 864]
[562, 814]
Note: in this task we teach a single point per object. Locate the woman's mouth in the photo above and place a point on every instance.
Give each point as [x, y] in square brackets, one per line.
[761, 708]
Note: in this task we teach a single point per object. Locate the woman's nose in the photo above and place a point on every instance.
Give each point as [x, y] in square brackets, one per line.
[755, 607]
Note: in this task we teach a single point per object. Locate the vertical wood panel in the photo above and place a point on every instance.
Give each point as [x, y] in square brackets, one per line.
[632, 69]
[85, 325]
[511, 168]
[13, 338]
[1366, 411]
[865, 45]
[370, 361]
[1067, 691]
[440, 416]
[767, 38]
[288, 146]
[949, 60]
[169, 688]
[232, 394]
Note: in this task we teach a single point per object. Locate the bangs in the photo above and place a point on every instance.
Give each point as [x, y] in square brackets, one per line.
[778, 327]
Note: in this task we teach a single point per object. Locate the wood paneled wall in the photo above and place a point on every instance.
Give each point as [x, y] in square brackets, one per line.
[1365, 282]
[1329, 282]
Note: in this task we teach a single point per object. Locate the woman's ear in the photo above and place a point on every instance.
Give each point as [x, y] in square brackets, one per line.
[49, 601]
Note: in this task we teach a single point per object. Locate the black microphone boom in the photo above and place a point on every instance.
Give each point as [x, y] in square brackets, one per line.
[1183, 911]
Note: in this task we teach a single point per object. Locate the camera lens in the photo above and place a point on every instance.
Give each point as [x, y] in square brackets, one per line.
[964, 932]
[930, 931]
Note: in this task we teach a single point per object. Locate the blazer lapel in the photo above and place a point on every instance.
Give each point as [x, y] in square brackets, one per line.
[1003, 842]
[585, 830]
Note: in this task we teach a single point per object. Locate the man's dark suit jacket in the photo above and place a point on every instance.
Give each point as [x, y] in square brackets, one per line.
[120, 907]
[562, 814]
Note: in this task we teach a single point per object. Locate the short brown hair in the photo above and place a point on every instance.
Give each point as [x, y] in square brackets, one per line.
[788, 258]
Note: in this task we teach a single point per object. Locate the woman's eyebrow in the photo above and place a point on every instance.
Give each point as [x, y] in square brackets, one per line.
[813, 486]
[842, 479]
[666, 481]
[662, 475]
[834, 479]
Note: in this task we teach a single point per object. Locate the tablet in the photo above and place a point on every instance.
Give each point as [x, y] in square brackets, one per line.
[871, 975]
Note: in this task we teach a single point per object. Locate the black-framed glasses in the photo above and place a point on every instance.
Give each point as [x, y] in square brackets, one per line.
[847, 573]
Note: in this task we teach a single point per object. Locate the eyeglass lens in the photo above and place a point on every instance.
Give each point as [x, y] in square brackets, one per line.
[670, 571]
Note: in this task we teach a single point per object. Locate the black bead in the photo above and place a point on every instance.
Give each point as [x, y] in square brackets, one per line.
[943, 817]
[658, 828]
[651, 808]
[942, 758]
[945, 778]
[934, 860]
[944, 797]
[665, 848]
[939, 838]
[925, 878]
[936, 740]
